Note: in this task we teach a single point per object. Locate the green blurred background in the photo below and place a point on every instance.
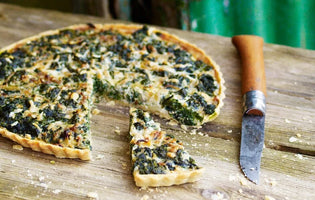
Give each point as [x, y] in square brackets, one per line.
[286, 22]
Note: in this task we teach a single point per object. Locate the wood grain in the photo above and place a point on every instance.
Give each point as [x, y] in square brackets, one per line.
[288, 162]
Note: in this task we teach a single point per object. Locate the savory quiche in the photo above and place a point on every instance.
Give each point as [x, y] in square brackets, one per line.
[49, 83]
[158, 158]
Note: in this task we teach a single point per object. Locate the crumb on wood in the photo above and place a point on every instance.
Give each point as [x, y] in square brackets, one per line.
[172, 123]
[298, 135]
[41, 178]
[193, 132]
[287, 121]
[271, 181]
[117, 131]
[230, 131]
[44, 185]
[99, 156]
[17, 147]
[217, 196]
[243, 182]
[201, 134]
[57, 191]
[145, 197]
[124, 165]
[143, 188]
[95, 111]
[267, 197]
[299, 156]
[52, 162]
[110, 103]
[293, 139]
[92, 195]
[184, 127]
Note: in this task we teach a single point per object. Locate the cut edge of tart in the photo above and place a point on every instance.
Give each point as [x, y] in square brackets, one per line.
[158, 158]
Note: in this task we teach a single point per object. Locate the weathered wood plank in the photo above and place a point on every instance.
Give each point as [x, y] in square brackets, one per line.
[290, 114]
[29, 174]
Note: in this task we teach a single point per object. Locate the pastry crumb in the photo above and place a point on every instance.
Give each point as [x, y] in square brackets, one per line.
[200, 133]
[99, 156]
[41, 178]
[44, 185]
[271, 182]
[243, 182]
[172, 123]
[299, 156]
[57, 191]
[287, 121]
[12, 161]
[184, 127]
[267, 197]
[230, 131]
[292, 139]
[298, 135]
[218, 196]
[193, 132]
[143, 188]
[145, 197]
[117, 131]
[95, 111]
[124, 165]
[52, 162]
[17, 147]
[92, 195]
[110, 103]
[240, 191]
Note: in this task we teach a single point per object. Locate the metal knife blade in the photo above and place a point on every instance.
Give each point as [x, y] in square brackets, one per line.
[252, 143]
[254, 90]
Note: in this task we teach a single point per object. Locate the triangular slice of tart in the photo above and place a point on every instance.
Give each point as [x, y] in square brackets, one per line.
[158, 158]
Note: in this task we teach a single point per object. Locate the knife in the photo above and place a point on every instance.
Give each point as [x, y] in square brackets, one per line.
[250, 49]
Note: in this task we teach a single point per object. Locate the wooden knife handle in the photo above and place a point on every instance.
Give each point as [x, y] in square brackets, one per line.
[250, 48]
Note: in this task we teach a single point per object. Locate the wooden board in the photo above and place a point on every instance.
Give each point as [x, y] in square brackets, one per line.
[288, 162]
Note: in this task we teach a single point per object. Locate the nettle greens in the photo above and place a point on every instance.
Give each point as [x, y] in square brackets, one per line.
[154, 151]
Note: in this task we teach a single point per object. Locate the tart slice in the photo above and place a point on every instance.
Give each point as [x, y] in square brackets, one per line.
[49, 118]
[158, 159]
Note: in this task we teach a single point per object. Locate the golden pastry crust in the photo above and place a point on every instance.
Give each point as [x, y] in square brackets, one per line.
[40, 146]
[176, 178]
